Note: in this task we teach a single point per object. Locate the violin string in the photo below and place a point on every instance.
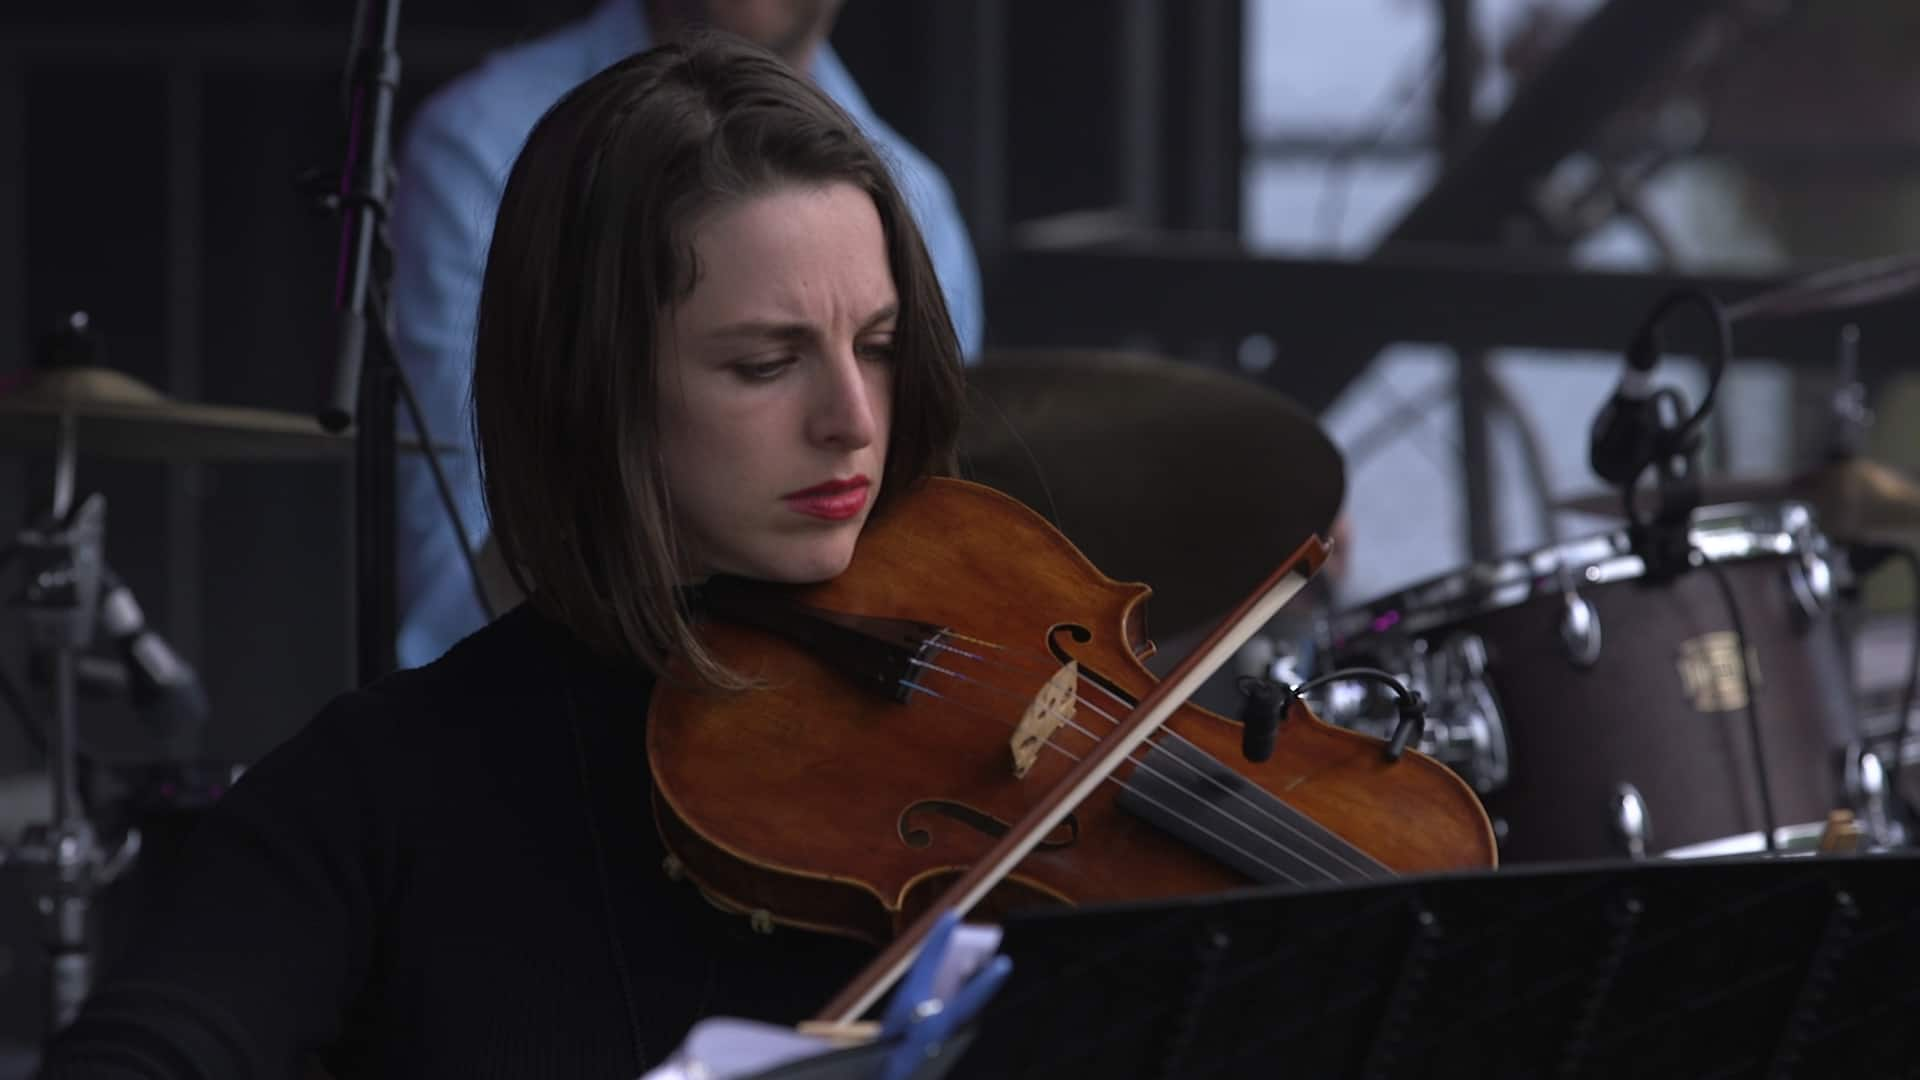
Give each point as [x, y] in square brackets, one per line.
[1350, 865]
[1066, 719]
[1124, 786]
[1042, 668]
[1333, 853]
[1205, 777]
[1263, 811]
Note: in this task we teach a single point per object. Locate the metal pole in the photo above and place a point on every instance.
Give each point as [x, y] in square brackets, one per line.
[363, 376]
[1454, 104]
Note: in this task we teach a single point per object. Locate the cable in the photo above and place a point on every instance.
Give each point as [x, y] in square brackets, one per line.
[1767, 817]
[1671, 448]
[1354, 674]
[1026, 448]
[1328, 212]
[432, 455]
[1639, 439]
[1266, 704]
[1408, 415]
[1645, 348]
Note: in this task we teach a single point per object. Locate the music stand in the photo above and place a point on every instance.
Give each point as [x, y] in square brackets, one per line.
[1721, 968]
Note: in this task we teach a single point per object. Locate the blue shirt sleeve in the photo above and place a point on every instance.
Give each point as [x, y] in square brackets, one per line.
[442, 223]
[930, 198]
[948, 245]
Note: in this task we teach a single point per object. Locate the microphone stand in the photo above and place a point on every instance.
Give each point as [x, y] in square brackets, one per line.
[365, 373]
[368, 383]
[1670, 446]
[1663, 540]
[1656, 432]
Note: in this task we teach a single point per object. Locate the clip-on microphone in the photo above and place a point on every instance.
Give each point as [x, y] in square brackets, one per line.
[1642, 428]
[1267, 704]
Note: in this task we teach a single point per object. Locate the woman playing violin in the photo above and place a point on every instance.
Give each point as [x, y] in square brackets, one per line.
[709, 341]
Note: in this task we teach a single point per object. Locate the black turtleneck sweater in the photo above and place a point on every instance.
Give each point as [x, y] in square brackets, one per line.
[451, 873]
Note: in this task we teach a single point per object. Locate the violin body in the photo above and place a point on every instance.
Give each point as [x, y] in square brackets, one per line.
[836, 797]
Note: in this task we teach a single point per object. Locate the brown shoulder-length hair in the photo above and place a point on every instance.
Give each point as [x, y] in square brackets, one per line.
[592, 250]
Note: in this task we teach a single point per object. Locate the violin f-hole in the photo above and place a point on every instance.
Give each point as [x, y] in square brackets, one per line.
[917, 836]
[1081, 635]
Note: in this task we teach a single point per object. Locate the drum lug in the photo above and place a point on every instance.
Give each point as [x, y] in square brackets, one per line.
[1580, 631]
[1472, 728]
[1867, 791]
[1467, 656]
[1480, 739]
[1811, 581]
[1630, 820]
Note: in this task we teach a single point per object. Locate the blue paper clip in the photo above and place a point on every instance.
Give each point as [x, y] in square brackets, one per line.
[920, 1020]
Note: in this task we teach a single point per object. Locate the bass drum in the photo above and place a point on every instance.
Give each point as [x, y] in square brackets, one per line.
[1601, 715]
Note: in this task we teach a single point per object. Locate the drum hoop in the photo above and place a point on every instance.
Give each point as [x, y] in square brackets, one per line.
[1800, 838]
[1726, 533]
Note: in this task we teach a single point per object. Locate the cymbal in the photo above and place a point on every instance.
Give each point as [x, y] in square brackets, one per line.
[1195, 481]
[119, 416]
[1853, 499]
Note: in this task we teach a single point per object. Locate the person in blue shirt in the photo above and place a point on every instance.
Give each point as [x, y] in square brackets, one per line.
[453, 166]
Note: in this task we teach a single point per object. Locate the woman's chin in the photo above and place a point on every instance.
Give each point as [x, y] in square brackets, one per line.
[809, 567]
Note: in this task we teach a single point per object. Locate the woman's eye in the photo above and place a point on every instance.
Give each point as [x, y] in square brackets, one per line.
[877, 350]
[762, 370]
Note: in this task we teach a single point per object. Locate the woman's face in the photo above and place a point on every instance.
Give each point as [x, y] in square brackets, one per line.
[776, 379]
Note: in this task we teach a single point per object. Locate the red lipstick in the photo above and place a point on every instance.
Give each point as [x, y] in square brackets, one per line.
[835, 500]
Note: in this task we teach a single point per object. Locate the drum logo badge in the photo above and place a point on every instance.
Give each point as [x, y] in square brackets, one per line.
[1712, 673]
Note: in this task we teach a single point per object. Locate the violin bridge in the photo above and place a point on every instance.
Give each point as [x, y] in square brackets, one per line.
[1050, 708]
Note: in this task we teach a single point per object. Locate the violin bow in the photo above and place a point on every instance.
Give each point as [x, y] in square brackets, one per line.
[1254, 612]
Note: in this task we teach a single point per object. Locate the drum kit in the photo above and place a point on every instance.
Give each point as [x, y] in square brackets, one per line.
[1622, 731]
[76, 609]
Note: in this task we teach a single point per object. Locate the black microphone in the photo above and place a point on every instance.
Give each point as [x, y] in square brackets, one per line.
[164, 688]
[1412, 724]
[1627, 430]
[1260, 717]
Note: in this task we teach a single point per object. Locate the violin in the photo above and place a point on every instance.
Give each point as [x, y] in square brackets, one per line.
[906, 715]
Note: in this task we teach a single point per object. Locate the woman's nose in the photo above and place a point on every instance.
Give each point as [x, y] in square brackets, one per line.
[844, 412]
